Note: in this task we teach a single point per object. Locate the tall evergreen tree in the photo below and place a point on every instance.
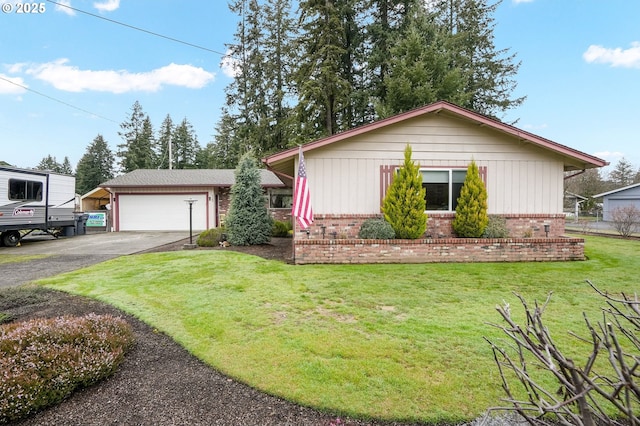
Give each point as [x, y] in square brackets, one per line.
[404, 204]
[226, 150]
[622, 173]
[489, 72]
[137, 150]
[49, 163]
[388, 19]
[66, 167]
[95, 167]
[421, 67]
[186, 146]
[278, 28]
[321, 85]
[205, 157]
[246, 96]
[471, 211]
[248, 221]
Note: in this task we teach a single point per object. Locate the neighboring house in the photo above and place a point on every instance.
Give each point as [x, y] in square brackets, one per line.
[622, 197]
[145, 200]
[348, 173]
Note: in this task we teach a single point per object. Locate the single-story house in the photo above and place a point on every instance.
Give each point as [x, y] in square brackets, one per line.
[621, 197]
[159, 200]
[348, 173]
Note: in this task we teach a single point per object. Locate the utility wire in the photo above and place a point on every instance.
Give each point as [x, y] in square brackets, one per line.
[138, 28]
[56, 100]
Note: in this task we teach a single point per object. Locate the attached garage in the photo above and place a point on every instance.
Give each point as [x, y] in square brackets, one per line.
[161, 212]
[155, 200]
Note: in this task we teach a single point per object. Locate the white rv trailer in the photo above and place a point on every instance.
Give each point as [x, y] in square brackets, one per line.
[34, 200]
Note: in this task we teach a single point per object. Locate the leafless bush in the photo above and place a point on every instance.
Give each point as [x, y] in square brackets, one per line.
[585, 226]
[610, 374]
[626, 220]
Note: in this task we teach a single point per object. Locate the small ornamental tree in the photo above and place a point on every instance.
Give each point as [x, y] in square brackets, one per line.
[248, 221]
[403, 206]
[471, 212]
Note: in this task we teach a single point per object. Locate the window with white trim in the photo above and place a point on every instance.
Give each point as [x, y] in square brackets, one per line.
[442, 187]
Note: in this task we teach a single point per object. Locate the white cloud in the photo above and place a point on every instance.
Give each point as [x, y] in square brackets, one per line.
[9, 88]
[605, 155]
[230, 65]
[627, 58]
[107, 5]
[535, 127]
[522, 1]
[60, 7]
[72, 79]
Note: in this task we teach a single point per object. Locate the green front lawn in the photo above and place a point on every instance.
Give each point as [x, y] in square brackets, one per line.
[401, 342]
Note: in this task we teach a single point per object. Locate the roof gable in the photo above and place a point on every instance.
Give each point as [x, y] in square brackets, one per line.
[615, 191]
[572, 156]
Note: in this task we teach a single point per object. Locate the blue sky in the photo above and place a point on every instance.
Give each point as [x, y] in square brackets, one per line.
[580, 72]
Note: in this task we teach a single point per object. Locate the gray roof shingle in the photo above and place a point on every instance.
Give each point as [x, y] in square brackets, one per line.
[186, 177]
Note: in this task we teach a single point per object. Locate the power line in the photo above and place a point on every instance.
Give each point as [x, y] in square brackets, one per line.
[139, 29]
[56, 100]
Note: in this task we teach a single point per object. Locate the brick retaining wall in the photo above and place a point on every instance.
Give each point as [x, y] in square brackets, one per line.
[444, 250]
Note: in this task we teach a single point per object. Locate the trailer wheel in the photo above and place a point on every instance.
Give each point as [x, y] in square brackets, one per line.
[11, 238]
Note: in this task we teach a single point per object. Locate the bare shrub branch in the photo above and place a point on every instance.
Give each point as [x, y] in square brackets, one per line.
[609, 376]
[626, 220]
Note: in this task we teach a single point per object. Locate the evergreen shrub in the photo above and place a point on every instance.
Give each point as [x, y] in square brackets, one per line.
[211, 237]
[496, 227]
[376, 229]
[281, 229]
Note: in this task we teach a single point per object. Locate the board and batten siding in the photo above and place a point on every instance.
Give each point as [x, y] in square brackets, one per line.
[344, 178]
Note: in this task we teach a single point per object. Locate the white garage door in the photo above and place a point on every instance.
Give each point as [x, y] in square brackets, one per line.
[161, 212]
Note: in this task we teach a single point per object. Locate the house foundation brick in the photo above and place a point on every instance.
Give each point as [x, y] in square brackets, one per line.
[445, 250]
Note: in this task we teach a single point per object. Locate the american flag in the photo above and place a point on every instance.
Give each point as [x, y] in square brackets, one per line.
[301, 200]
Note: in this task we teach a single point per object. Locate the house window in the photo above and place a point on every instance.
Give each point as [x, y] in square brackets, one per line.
[280, 198]
[25, 190]
[443, 188]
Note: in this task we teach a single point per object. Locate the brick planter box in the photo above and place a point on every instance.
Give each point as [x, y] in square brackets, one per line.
[445, 250]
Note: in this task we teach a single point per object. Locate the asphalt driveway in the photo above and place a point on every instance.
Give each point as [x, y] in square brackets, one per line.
[70, 253]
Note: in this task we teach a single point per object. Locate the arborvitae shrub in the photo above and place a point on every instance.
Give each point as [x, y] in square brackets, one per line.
[281, 229]
[376, 229]
[471, 212]
[404, 203]
[496, 228]
[211, 237]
